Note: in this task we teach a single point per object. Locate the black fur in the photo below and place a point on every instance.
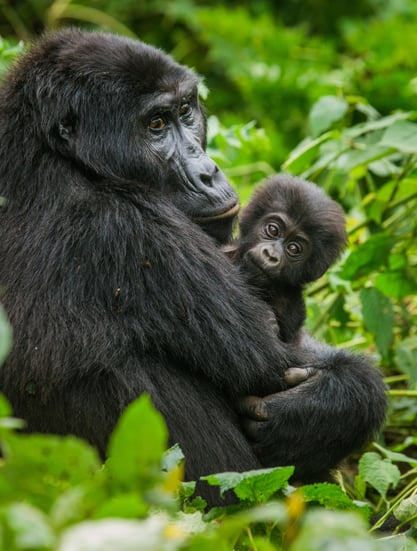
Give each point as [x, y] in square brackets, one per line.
[113, 289]
[304, 220]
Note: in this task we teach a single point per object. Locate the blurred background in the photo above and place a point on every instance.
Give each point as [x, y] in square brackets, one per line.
[261, 60]
[322, 89]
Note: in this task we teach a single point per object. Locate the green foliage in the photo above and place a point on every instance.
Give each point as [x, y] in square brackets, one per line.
[134, 453]
[252, 486]
[8, 53]
[56, 496]
[273, 86]
[372, 169]
[380, 473]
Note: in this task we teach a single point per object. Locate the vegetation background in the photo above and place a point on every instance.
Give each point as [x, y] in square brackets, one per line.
[326, 90]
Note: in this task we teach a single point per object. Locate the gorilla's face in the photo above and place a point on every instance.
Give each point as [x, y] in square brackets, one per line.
[125, 111]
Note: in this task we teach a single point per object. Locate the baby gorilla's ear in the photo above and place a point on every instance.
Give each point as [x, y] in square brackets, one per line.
[231, 250]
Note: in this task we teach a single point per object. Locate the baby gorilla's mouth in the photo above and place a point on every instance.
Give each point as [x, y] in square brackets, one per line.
[253, 263]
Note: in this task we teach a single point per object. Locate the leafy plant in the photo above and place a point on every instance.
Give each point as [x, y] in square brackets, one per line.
[55, 494]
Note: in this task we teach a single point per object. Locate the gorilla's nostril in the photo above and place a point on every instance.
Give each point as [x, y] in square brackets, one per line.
[270, 256]
[206, 179]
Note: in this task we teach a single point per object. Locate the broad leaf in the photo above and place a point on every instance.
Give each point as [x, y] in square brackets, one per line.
[252, 486]
[326, 111]
[137, 445]
[369, 256]
[379, 473]
[378, 317]
[402, 135]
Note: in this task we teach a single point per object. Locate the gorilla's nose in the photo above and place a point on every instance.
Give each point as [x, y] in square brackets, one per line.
[270, 256]
[208, 171]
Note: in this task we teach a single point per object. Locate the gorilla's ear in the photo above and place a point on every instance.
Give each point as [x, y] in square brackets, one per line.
[66, 130]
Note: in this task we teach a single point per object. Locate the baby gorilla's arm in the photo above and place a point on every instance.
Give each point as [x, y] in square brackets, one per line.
[255, 408]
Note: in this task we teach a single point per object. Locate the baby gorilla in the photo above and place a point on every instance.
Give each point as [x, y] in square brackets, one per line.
[290, 234]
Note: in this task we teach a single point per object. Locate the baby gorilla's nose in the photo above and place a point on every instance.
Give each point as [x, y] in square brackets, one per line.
[270, 255]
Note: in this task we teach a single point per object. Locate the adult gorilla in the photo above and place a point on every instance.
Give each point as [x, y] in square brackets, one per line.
[113, 289]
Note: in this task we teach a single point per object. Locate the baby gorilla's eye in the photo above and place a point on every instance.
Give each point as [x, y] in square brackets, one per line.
[272, 230]
[157, 123]
[185, 109]
[294, 249]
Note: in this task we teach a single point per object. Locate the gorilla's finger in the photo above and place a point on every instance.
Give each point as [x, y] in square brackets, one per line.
[254, 408]
[295, 375]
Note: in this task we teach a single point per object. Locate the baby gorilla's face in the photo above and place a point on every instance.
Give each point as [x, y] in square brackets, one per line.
[276, 250]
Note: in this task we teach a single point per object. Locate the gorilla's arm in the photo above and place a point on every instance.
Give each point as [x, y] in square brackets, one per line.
[338, 408]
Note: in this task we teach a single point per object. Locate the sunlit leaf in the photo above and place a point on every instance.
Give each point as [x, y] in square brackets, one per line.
[378, 316]
[26, 528]
[330, 495]
[406, 358]
[137, 445]
[368, 256]
[253, 486]
[380, 473]
[402, 135]
[395, 284]
[326, 111]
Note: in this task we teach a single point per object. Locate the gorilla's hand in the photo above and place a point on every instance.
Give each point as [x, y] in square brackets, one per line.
[256, 409]
[337, 407]
[289, 428]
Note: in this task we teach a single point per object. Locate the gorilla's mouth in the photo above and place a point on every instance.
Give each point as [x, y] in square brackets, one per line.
[255, 265]
[232, 211]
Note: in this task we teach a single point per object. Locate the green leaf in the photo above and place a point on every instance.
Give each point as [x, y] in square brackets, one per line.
[378, 317]
[137, 445]
[25, 528]
[7, 422]
[407, 510]
[326, 111]
[5, 407]
[402, 135]
[395, 284]
[379, 473]
[5, 336]
[151, 534]
[396, 456]
[368, 257]
[406, 358]
[301, 157]
[354, 158]
[187, 489]
[370, 126]
[258, 488]
[172, 458]
[335, 531]
[253, 486]
[126, 505]
[226, 481]
[330, 495]
[39, 468]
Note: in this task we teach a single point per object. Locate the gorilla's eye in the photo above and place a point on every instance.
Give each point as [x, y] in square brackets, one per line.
[272, 230]
[185, 109]
[157, 123]
[294, 249]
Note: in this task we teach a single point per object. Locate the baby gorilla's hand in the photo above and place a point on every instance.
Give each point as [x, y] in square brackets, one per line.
[256, 411]
[295, 375]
